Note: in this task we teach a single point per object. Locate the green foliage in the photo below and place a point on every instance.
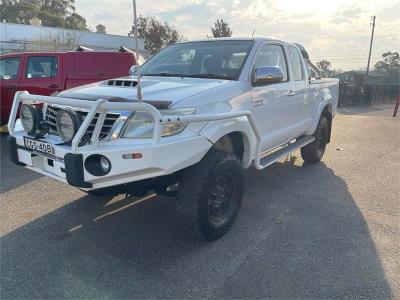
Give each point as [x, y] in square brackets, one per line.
[156, 35]
[325, 67]
[390, 63]
[100, 28]
[75, 21]
[221, 29]
[53, 13]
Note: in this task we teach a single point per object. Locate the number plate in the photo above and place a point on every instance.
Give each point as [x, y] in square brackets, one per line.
[38, 145]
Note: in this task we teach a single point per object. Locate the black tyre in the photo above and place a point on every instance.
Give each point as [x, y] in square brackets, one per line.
[210, 194]
[314, 151]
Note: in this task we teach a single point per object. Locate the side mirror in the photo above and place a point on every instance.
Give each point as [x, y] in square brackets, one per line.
[263, 75]
[132, 70]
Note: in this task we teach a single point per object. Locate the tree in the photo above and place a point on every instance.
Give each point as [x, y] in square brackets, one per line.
[325, 67]
[53, 13]
[100, 28]
[75, 21]
[156, 35]
[221, 29]
[390, 63]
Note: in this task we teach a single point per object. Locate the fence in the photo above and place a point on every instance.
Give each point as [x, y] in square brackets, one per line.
[367, 94]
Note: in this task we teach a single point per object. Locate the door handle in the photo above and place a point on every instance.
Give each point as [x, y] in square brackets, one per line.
[53, 86]
[12, 87]
[291, 93]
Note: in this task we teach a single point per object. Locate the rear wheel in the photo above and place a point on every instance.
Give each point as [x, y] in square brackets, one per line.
[210, 194]
[314, 151]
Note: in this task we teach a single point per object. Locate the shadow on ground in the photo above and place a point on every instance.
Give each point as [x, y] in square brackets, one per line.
[299, 235]
[10, 176]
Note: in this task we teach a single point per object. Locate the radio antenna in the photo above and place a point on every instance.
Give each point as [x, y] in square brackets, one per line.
[138, 87]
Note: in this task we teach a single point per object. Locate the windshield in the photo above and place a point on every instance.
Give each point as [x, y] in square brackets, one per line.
[9, 67]
[208, 59]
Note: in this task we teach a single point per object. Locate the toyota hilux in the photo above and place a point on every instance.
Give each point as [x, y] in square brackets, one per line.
[209, 110]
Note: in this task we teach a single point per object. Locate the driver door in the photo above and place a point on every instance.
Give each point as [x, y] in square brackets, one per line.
[272, 106]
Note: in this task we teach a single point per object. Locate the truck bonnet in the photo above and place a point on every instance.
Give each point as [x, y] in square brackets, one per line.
[158, 91]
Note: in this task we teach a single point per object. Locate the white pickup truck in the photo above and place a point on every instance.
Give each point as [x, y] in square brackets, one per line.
[210, 109]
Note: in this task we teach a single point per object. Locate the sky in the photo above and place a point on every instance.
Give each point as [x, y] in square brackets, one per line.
[336, 30]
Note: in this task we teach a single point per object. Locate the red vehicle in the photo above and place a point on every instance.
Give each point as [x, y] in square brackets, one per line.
[44, 73]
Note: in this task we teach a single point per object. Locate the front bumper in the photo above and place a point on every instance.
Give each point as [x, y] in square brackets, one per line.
[158, 156]
[170, 155]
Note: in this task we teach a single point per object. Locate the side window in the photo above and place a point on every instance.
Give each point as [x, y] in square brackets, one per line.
[272, 56]
[314, 72]
[9, 68]
[296, 63]
[42, 67]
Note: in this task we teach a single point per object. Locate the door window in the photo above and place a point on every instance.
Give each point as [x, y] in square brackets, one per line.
[296, 63]
[9, 68]
[272, 56]
[42, 67]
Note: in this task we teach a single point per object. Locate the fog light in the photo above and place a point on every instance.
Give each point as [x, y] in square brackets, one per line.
[97, 165]
[105, 164]
[31, 118]
[68, 123]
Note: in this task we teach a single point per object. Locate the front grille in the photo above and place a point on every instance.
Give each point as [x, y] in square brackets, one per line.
[51, 117]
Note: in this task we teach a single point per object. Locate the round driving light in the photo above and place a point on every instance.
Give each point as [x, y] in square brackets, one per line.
[68, 123]
[97, 165]
[105, 164]
[30, 117]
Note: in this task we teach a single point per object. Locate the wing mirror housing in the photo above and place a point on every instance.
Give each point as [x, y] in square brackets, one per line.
[265, 75]
[132, 70]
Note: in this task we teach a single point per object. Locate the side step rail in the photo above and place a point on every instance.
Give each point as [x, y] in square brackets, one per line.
[281, 153]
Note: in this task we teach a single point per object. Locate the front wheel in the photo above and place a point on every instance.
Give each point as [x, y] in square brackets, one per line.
[210, 194]
[314, 151]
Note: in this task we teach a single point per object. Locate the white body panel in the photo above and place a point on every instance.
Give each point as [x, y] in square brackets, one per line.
[266, 116]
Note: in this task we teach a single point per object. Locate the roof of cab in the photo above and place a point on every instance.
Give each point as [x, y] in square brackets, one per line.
[255, 39]
[258, 39]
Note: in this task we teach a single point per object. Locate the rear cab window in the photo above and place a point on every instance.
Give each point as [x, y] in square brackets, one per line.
[41, 67]
[9, 68]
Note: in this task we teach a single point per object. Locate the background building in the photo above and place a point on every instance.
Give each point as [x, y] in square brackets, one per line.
[19, 37]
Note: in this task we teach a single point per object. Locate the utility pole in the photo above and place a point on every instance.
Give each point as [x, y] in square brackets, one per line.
[138, 86]
[370, 45]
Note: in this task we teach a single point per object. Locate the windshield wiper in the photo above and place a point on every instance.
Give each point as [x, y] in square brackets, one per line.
[163, 74]
[209, 75]
[198, 75]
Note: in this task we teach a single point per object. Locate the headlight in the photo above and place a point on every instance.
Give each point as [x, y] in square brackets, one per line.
[68, 123]
[31, 117]
[140, 125]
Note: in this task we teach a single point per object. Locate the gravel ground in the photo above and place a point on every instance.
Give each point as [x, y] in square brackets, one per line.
[329, 230]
